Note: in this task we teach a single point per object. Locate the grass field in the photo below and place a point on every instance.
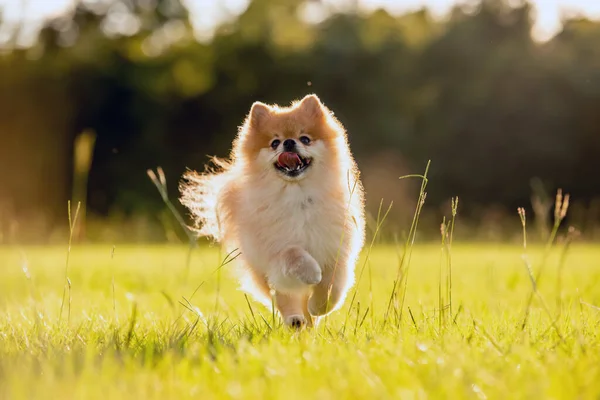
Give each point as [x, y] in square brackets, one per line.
[134, 330]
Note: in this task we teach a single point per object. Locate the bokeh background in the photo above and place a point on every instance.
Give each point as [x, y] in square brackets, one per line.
[502, 96]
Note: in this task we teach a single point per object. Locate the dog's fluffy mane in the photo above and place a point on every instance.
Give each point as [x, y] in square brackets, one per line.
[203, 193]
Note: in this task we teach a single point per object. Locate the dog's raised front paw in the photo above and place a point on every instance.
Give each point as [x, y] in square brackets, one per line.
[303, 266]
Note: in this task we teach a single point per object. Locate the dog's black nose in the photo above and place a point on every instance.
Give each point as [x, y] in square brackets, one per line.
[289, 145]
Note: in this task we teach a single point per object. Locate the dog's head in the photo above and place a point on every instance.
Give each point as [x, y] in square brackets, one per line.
[291, 142]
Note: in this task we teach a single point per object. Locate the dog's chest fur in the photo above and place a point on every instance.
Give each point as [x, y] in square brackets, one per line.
[286, 215]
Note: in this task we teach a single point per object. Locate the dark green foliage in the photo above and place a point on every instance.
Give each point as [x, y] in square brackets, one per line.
[489, 106]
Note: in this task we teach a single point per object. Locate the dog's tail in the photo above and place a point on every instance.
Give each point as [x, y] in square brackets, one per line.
[202, 193]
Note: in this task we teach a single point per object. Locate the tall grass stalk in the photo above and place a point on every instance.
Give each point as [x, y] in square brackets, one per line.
[561, 207]
[571, 236]
[401, 281]
[229, 258]
[256, 326]
[160, 181]
[378, 225]
[67, 282]
[445, 274]
[449, 252]
[441, 303]
[534, 281]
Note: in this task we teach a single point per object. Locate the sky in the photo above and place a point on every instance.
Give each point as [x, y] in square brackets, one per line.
[207, 13]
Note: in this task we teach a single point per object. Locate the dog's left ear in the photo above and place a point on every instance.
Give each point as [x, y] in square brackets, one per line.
[312, 106]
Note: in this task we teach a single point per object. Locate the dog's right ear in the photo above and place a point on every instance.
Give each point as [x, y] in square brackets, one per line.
[259, 113]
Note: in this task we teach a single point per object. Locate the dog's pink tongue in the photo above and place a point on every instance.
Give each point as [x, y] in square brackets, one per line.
[289, 159]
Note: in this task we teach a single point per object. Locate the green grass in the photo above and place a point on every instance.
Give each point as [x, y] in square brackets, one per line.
[145, 344]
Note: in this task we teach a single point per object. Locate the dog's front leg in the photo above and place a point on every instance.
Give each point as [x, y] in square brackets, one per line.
[291, 275]
[294, 270]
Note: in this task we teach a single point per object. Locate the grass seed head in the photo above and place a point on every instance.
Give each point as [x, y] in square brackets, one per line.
[522, 215]
[565, 207]
[558, 204]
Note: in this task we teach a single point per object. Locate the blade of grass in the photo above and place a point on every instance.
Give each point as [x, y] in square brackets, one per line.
[402, 274]
[67, 284]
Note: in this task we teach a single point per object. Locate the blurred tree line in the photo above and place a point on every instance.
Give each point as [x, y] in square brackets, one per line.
[489, 106]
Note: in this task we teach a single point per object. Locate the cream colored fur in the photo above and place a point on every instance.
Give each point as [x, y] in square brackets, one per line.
[299, 237]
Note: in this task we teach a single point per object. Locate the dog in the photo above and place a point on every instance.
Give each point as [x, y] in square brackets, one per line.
[290, 200]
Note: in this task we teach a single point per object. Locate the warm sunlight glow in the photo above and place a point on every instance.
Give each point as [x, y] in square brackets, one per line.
[548, 13]
[206, 13]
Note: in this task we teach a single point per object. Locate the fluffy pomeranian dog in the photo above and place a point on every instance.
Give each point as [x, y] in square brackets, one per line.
[289, 199]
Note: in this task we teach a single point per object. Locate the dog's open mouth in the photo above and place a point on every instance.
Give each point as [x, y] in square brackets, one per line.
[291, 163]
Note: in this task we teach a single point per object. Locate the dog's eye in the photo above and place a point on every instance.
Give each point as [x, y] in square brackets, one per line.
[305, 139]
[275, 143]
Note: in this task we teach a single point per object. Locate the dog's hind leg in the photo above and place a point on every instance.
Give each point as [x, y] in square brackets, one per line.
[329, 294]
